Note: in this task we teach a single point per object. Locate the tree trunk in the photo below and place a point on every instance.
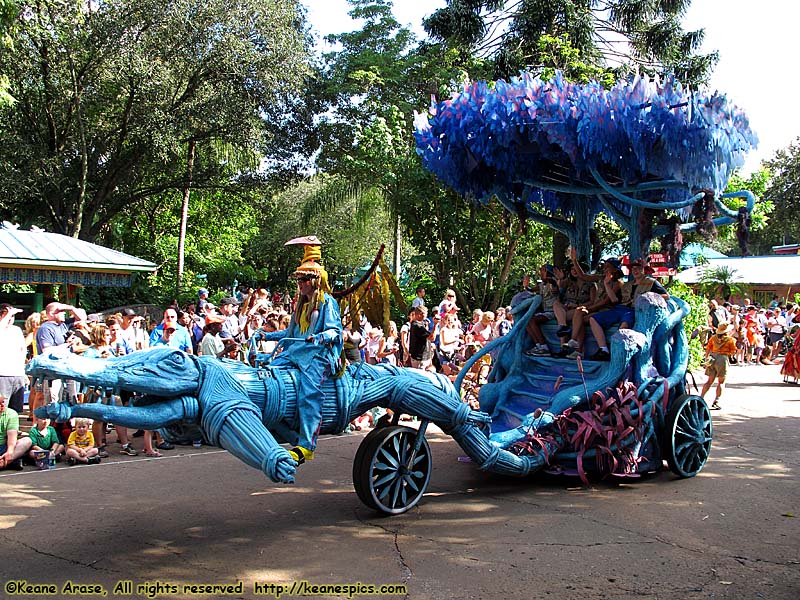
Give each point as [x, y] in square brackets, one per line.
[560, 245]
[398, 230]
[184, 216]
[583, 219]
[511, 252]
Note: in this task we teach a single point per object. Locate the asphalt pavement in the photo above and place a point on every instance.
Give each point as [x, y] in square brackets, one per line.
[136, 527]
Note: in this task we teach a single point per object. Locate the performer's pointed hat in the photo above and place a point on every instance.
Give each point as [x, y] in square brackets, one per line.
[311, 265]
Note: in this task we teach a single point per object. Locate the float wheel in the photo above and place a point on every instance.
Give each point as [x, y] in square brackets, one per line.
[688, 435]
[387, 475]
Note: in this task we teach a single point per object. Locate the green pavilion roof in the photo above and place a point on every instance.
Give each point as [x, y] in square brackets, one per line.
[36, 257]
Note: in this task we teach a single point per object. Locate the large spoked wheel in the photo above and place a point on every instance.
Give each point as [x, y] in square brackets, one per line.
[387, 475]
[688, 436]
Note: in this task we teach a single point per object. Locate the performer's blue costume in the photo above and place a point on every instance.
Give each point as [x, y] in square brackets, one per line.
[314, 361]
[313, 343]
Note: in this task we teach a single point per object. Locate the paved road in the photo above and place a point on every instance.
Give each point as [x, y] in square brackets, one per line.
[202, 517]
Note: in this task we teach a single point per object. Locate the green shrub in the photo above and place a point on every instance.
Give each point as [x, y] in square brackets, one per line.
[698, 317]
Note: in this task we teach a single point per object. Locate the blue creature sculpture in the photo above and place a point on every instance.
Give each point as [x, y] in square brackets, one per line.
[250, 411]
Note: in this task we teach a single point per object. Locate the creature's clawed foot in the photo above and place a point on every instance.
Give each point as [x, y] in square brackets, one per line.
[285, 469]
[287, 462]
[280, 465]
[57, 411]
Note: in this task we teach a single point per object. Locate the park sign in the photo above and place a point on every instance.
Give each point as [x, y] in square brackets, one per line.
[656, 261]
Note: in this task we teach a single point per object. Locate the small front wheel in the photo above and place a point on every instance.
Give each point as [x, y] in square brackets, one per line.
[387, 474]
[688, 435]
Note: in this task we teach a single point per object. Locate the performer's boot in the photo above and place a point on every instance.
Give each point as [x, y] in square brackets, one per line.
[301, 454]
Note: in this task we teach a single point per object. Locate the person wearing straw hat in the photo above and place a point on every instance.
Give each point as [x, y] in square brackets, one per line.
[315, 331]
[720, 346]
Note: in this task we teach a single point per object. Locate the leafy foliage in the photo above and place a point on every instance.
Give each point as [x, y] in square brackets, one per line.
[374, 80]
[557, 53]
[784, 191]
[470, 246]
[760, 227]
[364, 79]
[722, 282]
[697, 317]
[346, 246]
[108, 94]
[219, 229]
[8, 16]
[643, 36]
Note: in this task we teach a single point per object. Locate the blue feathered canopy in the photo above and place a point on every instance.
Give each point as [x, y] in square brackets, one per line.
[554, 143]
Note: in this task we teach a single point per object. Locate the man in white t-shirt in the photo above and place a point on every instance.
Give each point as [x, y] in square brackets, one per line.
[232, 327]
[12, 359]
[776, 327]
[132, 334]
[404, 339]
[420, 299]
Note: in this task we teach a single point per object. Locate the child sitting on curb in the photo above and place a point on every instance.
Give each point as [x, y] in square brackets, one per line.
[44, 437]
[80, 446]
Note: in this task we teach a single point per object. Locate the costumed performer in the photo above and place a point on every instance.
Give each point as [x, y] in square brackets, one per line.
[316, 320]
[720, 347]
[791, 363]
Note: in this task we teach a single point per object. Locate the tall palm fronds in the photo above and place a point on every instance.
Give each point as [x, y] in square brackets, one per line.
[722, 282]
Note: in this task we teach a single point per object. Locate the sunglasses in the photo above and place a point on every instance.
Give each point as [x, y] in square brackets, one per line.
[305, 279]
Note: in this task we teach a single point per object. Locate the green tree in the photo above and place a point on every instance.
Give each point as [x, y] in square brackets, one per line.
[109, 96]
[220, 229]
[697, 317]
[9, 12]
[363, 78]
[366, 124]
[480, 251]
[644, 35]
[784, 192]
[375, 79]
[284, 215]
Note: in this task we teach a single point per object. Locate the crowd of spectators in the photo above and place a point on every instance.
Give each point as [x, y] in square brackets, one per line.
[761, 333]
[748, 334]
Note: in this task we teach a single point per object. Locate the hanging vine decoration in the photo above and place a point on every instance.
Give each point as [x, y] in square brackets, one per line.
[743, 230]
[672, 241]
[372, 294]
[704, 211]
